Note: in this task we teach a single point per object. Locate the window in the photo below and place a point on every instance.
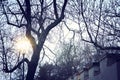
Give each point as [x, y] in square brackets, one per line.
[86, 74]
[96, 66]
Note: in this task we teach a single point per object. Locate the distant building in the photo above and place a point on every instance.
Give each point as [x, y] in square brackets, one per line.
[107, 68]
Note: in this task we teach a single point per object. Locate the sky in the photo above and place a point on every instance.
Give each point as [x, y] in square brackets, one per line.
[52, 42]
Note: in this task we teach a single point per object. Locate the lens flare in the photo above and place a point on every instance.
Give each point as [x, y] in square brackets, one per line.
[22, 44]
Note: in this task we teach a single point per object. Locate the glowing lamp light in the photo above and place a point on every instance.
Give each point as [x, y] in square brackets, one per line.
[22, 44]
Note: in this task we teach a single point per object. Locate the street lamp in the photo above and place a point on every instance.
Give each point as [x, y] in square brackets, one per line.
[22, 45]
[23, 67]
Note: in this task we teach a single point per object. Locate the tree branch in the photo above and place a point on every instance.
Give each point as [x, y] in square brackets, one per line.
[103, 47]
[57, 21]
[99, 20]
[17, 66]
[63, 8]
[55, 9]
[86, 25]
[50, 50]
[21, 8]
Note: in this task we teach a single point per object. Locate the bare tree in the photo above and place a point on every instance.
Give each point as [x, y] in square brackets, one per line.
[38, 18]
[98, 22]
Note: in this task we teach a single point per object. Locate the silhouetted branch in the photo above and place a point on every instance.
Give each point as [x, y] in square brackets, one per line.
[86, 25]
[103, 47]
[21, 8]
[50, 50]
[55, 23]
[55, 9]
[99, 20]
[15, 67]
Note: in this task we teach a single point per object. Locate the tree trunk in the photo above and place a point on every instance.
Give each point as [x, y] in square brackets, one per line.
[35, 58]
[33, 65]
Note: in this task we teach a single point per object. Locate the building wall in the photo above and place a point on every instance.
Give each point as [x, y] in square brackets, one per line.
[108, 69]
[108, 72]
[118, 69]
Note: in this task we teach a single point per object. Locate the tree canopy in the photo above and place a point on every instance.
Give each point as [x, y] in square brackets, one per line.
[84, 28]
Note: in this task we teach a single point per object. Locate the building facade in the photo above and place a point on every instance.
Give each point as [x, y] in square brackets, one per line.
[107, 68]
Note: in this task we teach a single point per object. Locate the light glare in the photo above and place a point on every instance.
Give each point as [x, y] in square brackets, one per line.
[22, 45]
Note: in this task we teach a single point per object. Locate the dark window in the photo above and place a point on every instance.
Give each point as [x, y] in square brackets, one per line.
[96, 67]
[86, 75]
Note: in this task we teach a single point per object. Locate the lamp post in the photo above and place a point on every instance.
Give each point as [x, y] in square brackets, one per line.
[22, 45]
[23, 67]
